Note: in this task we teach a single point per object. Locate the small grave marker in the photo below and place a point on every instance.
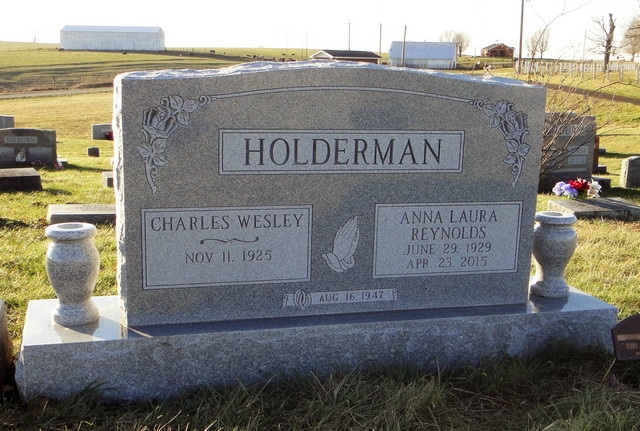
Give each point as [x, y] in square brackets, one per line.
[107, 179]
[87, 213]
[25, 179]
[6, 121]
[626, 338]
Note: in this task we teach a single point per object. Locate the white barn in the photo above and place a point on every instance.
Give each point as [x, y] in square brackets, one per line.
[424, 55]
[111, 38]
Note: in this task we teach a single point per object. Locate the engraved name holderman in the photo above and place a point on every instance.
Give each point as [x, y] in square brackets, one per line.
[342, 151]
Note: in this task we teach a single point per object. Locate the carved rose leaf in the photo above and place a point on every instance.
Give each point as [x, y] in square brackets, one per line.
[159, 145]
[511, 159]
[190, 105]
[512, 146]
[182, 117]
[523, 150]
[160, 160]
[145, 150]
[494, 121]
[175, 102]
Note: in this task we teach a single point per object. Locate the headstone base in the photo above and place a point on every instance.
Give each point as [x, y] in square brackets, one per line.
[157, 362]
[611, 208]
[22, 179]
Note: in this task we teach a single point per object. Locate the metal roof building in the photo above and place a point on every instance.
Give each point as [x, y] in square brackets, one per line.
[111, 38]
[346, 55]
[423, 55]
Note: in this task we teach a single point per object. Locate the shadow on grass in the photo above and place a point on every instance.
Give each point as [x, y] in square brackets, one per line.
[9, 223]
[621, 192]
[72, 167]
[610, 154]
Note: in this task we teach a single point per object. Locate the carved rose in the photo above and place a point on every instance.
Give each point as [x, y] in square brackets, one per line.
[159, 122]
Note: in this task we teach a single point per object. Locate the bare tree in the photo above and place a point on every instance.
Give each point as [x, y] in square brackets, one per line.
[538, 43]
[603, 38]
[631, 39]
[462, 40]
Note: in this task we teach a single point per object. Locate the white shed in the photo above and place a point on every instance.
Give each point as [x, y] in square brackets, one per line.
[424, 55]
[111, 38]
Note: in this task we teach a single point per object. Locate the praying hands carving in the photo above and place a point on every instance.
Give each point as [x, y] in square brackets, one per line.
[345, 242]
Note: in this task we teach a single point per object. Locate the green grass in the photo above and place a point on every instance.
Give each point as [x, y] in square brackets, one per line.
[559, 390]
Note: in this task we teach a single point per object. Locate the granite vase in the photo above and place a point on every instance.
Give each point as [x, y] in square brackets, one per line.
[554, 241]
[72, 264]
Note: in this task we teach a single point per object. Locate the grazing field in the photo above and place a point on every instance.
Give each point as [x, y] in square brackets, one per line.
[560, 390]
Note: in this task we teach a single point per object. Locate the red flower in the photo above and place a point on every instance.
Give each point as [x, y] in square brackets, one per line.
[580, 184]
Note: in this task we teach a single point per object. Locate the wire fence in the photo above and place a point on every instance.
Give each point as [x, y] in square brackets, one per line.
[616, 70]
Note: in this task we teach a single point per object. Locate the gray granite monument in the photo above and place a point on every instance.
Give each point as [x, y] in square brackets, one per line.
[26, 147]
[282, 219]
[630, 172]
[102, 131]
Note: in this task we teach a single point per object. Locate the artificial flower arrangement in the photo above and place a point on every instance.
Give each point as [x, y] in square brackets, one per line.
[577, 187]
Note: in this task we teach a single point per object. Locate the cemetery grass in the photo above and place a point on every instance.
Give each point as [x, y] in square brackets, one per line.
[559, 390]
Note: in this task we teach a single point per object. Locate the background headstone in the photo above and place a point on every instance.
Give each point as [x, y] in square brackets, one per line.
[107, 179]
[630, 172]
[577, 134]
[93, 151]
[6, 346]
[6, 121]
[102, 131]
[24, 147]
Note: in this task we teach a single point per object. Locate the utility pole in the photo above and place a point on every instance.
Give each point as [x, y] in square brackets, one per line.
[404, 41]
[520, 47]
[380, 42]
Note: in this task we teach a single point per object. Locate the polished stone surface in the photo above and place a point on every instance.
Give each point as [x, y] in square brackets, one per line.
[322, 188]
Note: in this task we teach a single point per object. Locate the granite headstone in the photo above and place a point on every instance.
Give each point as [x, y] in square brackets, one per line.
[572, 146]
[286, 219]
[630, 172]
[25, 147]
[102, 131]
[322, 190]
[7, 121]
